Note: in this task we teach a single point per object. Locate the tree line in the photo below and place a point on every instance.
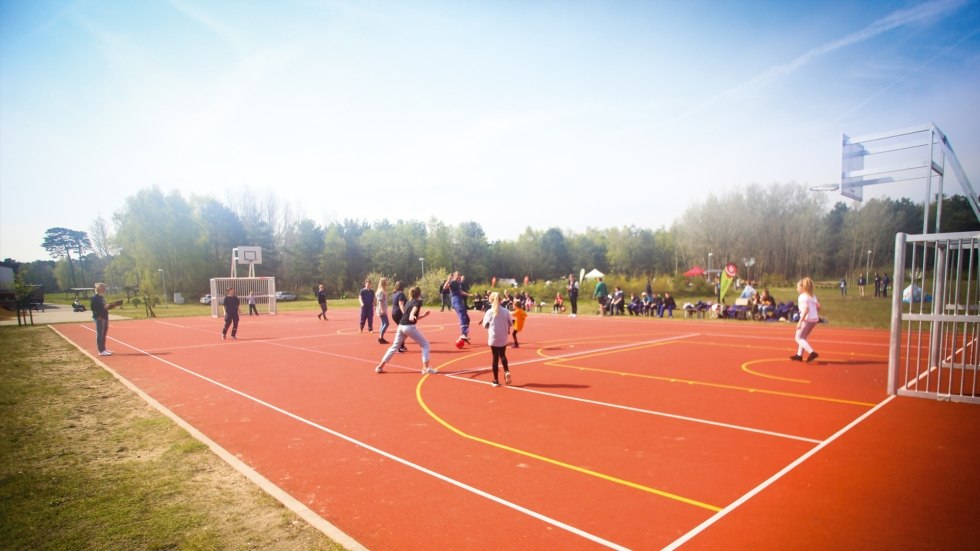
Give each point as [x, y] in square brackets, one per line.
[772, 233]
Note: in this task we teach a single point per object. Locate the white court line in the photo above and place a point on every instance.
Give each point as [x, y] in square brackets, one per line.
[554, 522]
[753, 492]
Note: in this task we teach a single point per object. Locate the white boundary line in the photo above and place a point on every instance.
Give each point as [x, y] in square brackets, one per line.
[275, 491]
[753, 492]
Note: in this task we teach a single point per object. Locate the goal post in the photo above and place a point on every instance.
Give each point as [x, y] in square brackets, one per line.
[262, 288]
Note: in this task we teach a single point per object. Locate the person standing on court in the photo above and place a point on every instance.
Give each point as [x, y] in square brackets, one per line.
[366, 298]
[498, 321]
[573, 295]
[809, 318]
[251, 304]
[458, 298]
[601, 293]
[231, 305]
[100, 313]
[407, 328]
[398, 304]
[321, 299]
[381, 298]
[519, 316]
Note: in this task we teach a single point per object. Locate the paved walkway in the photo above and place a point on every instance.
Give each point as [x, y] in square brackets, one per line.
[56, 313]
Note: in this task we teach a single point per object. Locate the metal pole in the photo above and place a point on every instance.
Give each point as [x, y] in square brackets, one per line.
[895, 337]
[163, 276]
[422, 260]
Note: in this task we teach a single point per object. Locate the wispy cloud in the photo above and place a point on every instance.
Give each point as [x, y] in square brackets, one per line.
[923, 13]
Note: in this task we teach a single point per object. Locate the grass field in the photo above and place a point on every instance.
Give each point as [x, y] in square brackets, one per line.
[87, 464]
[846, 311]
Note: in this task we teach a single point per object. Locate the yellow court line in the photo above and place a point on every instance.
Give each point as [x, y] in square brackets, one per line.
[777, 348]
[745, 368]
[583, 470]
[750, 390]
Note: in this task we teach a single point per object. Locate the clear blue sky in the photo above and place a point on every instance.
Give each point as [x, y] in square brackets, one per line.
[508, 113]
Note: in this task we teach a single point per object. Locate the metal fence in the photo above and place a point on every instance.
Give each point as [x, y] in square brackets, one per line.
[934, 349]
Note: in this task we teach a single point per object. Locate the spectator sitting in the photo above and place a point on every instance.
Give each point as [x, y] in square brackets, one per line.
[668, 304]
[767, 305]
[616, 302]
[559, 305]
[77, 306]
[635, 307]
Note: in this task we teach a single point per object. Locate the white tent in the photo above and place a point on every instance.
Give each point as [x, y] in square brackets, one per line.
[594, 274]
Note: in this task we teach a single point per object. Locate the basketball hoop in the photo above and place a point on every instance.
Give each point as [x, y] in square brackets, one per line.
[825, 187]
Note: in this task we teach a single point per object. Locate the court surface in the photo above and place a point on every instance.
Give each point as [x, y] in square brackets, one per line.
[616, 432]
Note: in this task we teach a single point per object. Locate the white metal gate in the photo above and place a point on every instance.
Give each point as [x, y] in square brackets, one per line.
[934, 349]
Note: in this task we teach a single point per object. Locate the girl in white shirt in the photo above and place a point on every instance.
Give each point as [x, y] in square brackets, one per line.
[809, 318]
[498, 321]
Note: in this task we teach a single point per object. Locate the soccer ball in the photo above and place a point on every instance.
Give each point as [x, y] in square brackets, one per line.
[460, 343]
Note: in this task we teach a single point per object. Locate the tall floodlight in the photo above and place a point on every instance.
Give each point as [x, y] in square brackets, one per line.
[163, 276]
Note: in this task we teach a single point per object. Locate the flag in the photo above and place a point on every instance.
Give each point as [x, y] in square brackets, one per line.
[727, 277]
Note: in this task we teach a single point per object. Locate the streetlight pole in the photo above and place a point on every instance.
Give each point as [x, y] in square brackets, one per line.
[867, 268]
[422, 260]
[163, 275]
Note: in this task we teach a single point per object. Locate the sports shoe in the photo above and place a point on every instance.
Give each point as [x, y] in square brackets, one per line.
[516, 345]
[382, 341]
[223, 336]
[379, 369]
[572, 316]
[105, 353]
[319, 316]
[402, 350]
[812, 356]
[465, 338]
[495, 382]
[796, 358]
[507, 377]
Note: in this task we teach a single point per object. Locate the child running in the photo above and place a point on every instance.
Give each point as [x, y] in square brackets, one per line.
[809, 318]
[519, 316]
[406, 328]
[498, 321]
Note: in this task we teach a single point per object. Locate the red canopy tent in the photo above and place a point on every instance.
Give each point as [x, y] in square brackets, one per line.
[695, 271]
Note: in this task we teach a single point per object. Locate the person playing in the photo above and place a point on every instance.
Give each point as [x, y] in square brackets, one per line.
[498, 321]
[381, 298]
[573, 295]
[520, 314]
[458, 299]
[231, 305]
[398, 304]
[407, 328]
[251, 304]
[809, 318]
[321, 299]
[601, 293]
[366, 298]
[100, 313]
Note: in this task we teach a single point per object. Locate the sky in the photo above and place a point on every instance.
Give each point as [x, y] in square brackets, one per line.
[512, 114]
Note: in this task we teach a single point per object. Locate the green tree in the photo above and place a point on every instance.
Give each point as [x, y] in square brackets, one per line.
[61, 242]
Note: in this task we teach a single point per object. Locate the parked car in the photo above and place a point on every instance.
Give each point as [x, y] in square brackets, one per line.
[206, 299]
[281, 295]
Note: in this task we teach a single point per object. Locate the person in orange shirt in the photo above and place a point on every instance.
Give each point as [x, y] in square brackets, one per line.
[519, 316]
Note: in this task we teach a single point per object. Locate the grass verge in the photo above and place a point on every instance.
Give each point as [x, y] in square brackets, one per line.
[86, 464]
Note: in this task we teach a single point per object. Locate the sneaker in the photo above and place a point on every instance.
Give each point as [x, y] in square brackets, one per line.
[402, 350]
[812, 356]
[572, 316]
[465, 338]
[796, 358]
[495, 382]
[234, 337]
[379, 369]
[516, 345]
[433, 371]
[507, 377]
[223, 336]
[382, 341]
[105, 353]
[319, 316]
